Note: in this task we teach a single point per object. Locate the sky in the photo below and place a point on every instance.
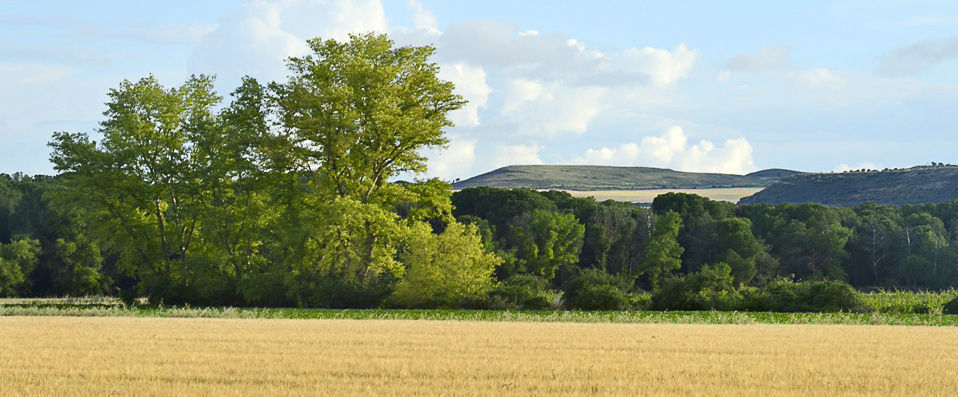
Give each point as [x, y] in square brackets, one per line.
[705, 86]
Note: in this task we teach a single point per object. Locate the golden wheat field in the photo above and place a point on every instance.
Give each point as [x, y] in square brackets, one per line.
[646, 196]
[149, 356]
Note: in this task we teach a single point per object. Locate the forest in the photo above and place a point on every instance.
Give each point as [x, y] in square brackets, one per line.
[288, 194]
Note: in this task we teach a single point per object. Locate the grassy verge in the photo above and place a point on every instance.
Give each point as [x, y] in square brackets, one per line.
[693, 317]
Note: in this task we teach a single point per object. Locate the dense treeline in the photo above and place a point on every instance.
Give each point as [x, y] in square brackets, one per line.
[285, 196]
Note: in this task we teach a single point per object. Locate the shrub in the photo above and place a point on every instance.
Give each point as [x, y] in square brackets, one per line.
[951, 307]
[784, 295]
[594, 289]
[341, 293]
[931, 302]
[522, 292]
[445, 270]
[711, 288]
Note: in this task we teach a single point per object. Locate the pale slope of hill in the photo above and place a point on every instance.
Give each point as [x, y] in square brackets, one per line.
[590, 177]
[916, 185]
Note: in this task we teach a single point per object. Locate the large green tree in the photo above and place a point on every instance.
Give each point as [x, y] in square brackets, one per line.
[545, 241]
[361, 111]
[662, 254]
[17, 259]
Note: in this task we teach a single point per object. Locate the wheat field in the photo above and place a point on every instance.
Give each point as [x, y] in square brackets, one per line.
[732, 194]
[150, 356]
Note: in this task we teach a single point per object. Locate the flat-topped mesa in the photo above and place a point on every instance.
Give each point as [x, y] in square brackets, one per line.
[594, 177]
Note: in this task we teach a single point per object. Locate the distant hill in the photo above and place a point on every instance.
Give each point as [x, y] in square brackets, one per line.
[591, 177]
[925, 184]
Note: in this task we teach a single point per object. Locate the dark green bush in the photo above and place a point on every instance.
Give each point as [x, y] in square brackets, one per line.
[595, 289]
[600, 297]
[951, 307]
[711, 288]
[522, 292]
[807, 296]
[339, 293]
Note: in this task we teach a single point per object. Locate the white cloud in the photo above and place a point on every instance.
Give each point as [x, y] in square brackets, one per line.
[672, 150]
[766, 59]
[455, 161]
[166, 34]
[256, 38]
[470, 82]
[422, 18]
[516, 155]
[662, 66]
[821, 78]
[916, 57]
[25, 75]
[547, 109]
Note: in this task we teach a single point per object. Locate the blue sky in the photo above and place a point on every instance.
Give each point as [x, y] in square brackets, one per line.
[696, 86]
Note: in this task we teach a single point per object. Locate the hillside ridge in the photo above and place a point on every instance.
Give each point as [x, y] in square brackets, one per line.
[915, 185]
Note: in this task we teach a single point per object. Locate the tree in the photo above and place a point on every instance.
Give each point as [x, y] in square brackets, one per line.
[876, 242]
[547, 240]
[361, 111]
[17, 259]
[450, 269]
[138, 185]
[663, 254]
[926, 250]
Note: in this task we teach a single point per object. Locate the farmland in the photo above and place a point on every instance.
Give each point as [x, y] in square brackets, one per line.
[109, 355]
[731, 194]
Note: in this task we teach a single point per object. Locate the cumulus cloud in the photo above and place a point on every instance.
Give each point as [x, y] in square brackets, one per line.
[470, 82]
[917, 57]
[516, 155]
[529, 53]
[422, 18]
[547, 109]
[256, 38]
[766, 59]
[662, 66]
[455, 161]
[672, 150]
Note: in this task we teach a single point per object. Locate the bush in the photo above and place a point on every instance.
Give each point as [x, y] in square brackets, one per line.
[808, 296]
[931, 302]
[523, 292]
[595, 289]
[711, 288]
[451, 269]
[600, 297]
[340, 293]
[951, 307]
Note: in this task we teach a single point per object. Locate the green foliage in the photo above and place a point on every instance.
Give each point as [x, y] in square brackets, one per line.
[594, 289]
[711, 288]
[909, 301]
[663, 253]
[951, 307]
[449, 269]
[523, 292]
[808, 296]
[17, 259]
[363, 110]
[808, 239]
[546, 240]
[82, 271]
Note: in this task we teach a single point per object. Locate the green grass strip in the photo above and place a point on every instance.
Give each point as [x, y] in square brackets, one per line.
[637, 317]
